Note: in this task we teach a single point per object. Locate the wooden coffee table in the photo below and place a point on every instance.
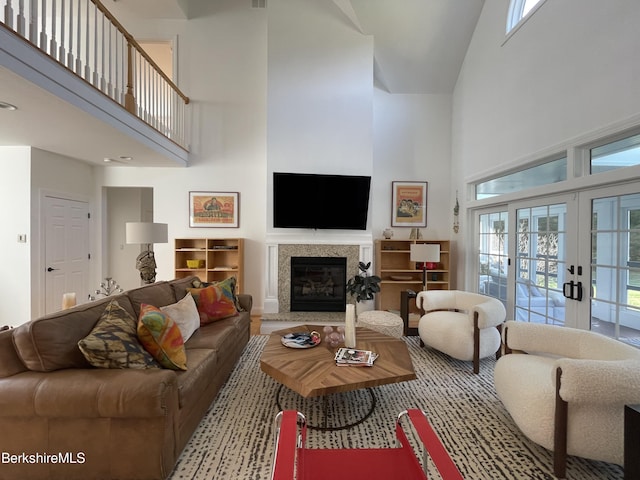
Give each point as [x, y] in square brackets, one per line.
[313, 372]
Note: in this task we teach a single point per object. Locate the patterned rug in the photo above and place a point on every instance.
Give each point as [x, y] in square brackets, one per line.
[235, 439]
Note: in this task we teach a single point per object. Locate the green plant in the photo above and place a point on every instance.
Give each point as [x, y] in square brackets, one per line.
[363, 286]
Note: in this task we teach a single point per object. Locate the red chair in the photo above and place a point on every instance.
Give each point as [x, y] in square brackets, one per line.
[293, 461]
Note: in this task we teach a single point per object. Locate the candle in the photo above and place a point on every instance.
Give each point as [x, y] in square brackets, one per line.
[350, 326]
[68, 300]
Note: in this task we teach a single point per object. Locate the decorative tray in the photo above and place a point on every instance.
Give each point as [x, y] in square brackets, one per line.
[301, 339]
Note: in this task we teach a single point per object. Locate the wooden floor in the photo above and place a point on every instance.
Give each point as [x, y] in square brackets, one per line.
[255, 324]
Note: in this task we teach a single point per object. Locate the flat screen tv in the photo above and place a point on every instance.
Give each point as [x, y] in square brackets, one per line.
[302, 200]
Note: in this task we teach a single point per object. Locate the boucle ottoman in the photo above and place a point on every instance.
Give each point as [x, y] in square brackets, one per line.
[382, 321]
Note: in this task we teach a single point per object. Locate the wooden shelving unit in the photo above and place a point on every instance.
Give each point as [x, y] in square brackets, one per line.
[399, 273]
[219, 258]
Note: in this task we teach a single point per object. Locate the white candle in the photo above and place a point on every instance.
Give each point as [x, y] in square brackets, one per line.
[68, 300]
[350, 326]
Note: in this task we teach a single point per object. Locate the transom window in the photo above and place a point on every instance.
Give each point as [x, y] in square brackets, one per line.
[618, 154]
[544, 174]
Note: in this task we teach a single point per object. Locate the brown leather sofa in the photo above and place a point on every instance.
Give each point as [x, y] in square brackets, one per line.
[60, 418]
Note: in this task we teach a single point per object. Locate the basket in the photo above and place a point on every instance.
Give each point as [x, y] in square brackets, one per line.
[195, 263]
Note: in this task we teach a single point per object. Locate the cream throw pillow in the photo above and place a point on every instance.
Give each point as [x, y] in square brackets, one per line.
[185, 314]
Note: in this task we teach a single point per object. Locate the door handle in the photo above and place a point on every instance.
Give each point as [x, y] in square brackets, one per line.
[572, 290]
[51, 269]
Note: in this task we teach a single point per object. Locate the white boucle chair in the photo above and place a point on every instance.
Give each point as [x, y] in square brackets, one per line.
[463, 325]
[568, 392]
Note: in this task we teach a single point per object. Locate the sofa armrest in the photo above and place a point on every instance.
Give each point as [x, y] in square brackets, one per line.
[246, 301]
[599, 381]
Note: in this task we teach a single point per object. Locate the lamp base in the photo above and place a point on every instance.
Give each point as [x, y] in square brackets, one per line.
[146, 264]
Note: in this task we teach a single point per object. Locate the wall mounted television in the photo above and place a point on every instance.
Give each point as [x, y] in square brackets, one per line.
[303, 200]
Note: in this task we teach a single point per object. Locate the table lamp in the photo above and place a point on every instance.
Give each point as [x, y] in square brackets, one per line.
[146, 233]
[425, 253]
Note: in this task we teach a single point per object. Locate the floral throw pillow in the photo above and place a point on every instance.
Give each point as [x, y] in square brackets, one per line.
[232, 282]
[216, 301]
[161, 337]
[113, 342]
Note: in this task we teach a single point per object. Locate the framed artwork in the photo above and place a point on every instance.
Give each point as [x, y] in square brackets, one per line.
[214, 209]
[409, 204]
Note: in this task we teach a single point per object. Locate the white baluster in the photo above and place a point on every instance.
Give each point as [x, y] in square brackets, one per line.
[33, 21]
[21, 20]
[43, 26]
[8, 14]
[53, 46]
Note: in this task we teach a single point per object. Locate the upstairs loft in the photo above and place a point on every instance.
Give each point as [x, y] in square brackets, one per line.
[84, 88]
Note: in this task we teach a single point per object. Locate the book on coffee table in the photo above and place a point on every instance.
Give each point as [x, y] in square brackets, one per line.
[354, 357]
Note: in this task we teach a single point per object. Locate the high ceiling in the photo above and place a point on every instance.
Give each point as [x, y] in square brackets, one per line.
[419, 47]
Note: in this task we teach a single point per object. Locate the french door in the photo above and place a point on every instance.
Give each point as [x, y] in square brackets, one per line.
[571, 260]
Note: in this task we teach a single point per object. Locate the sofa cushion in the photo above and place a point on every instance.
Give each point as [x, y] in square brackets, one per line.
[185, 314]
[180, 285]
[215, 302]
[158, 294]
[51, 342]
[113, 342]
[161, 337]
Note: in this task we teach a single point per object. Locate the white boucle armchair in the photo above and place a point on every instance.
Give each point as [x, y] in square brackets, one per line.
[464, 325]
[568, 390]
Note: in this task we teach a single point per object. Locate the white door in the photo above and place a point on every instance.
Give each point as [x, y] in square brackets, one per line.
[66, 239]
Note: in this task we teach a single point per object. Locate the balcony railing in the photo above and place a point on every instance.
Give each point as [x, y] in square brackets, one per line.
[85, 38]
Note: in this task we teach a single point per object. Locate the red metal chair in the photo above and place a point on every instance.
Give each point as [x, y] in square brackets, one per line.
[293, 461]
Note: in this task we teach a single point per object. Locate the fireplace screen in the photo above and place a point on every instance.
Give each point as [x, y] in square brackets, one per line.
[318, 284]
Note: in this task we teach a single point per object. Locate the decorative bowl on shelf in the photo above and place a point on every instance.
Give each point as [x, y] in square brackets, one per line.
[195, 263]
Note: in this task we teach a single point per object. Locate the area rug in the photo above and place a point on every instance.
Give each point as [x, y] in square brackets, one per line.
[235, 440]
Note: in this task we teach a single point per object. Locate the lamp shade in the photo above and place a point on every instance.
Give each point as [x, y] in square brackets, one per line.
[425, 252]
[146, 232]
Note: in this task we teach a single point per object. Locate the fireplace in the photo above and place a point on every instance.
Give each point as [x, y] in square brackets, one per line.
[318, 284]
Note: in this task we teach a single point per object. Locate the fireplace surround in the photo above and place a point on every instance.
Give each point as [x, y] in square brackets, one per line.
[282, 278]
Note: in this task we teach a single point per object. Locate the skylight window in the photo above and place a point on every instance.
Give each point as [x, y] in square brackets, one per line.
[519, 10]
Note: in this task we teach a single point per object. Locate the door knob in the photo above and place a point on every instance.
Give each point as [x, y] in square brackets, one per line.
[51, 269]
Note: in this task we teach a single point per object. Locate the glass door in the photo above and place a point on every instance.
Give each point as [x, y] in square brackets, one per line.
[613, 256]
[541, 263]
[524, 259]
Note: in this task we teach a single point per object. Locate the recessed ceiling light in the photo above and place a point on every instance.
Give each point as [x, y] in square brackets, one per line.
[107, 160]
[7, 106]
[125, 157]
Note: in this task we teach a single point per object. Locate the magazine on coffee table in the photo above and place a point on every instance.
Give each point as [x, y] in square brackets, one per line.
[354, 357]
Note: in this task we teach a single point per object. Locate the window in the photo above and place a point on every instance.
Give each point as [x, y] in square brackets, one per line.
[518, 10]
[618, 154]
[550, 172]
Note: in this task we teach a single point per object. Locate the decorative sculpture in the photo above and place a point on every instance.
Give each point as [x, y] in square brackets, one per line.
[146, 264]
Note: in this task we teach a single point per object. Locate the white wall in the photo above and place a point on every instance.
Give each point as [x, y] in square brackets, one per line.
[288, 88]
[412, 141]
[15, 198]
[573, 68]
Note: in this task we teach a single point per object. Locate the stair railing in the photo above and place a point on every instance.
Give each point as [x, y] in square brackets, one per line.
[84, 37]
